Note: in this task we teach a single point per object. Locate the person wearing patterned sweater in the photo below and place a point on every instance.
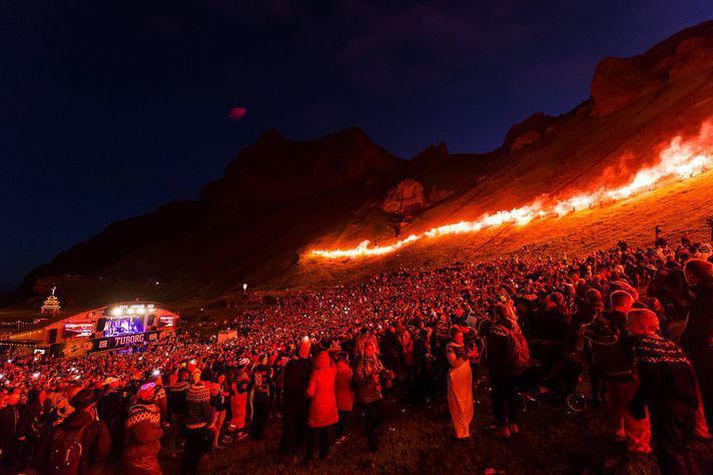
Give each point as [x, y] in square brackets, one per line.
[143, 434]
[609, 359]
[197, 421]
[668, 388]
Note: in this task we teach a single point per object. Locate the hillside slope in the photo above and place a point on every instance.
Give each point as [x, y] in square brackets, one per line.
[281, 198]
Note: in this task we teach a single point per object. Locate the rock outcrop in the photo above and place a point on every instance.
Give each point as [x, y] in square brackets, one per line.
[619, 82]
[527, 132]
[406, 199]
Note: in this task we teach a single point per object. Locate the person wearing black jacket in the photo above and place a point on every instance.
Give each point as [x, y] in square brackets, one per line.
[697, 337]
[13, 431]
[261, 377]
[504, 373]
[296, 403]
[95, 439]
[668, 388]
[176, 398]
[552, 334]
[112, 410]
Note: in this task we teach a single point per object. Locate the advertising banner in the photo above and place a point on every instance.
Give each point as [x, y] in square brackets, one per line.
[115, 342]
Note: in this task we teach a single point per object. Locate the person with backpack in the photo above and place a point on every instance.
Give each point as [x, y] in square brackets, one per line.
[143, 434]
[81, 442]
[508, 355]
[460, 384]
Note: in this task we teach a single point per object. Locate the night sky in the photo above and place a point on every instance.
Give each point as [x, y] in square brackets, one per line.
[108, 109]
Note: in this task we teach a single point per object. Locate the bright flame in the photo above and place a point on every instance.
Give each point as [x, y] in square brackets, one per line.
[680, 160]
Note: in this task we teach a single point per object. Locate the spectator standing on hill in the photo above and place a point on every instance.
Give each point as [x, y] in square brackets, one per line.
[323, 413]
[697, 337]
[668, 389]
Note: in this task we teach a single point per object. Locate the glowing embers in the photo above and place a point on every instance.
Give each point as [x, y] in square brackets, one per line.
[678, 161]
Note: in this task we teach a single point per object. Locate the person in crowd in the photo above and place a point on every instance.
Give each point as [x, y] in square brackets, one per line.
[81, 442]
[460, 384]
[408, 314]
[344, 392]
[697, 337]
[197, 423]
[143, 434]
[369, 376]
[323, 413]
[240, 386]
[667, 389]
[506, 362]
[112, 410]
[408, 365]
[219, 396]
[621, 303]
[551, 330]
[261, 382]
[609, 359]
[13, 435]
[160, 397]
[278, 381]
[37, 416]
[176, 398]
[296, 403]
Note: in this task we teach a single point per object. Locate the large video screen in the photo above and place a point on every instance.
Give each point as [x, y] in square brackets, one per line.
[124, 326]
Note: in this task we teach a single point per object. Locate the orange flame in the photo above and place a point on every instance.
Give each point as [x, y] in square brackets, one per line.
[679, 160]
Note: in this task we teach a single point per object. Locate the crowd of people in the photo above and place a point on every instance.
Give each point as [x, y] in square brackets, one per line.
[636, 325]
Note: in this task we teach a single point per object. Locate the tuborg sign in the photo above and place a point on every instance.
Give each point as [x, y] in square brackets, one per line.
[114, 342]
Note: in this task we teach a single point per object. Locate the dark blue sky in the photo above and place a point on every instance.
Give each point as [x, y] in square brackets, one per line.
[108, 109]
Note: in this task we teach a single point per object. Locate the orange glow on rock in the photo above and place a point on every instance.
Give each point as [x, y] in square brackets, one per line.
[680, 160]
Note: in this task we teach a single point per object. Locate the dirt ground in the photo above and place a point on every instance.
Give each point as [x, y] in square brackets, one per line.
[418, 439]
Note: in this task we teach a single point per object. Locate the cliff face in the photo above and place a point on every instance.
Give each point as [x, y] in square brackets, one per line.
[281, 197]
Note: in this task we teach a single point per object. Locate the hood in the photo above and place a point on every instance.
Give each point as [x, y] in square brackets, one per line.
[704, 288]
[76, 420]
[322, 360]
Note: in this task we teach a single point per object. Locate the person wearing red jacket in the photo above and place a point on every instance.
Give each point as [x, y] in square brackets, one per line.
[344, 391]
[239, 387]
[322, 412]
